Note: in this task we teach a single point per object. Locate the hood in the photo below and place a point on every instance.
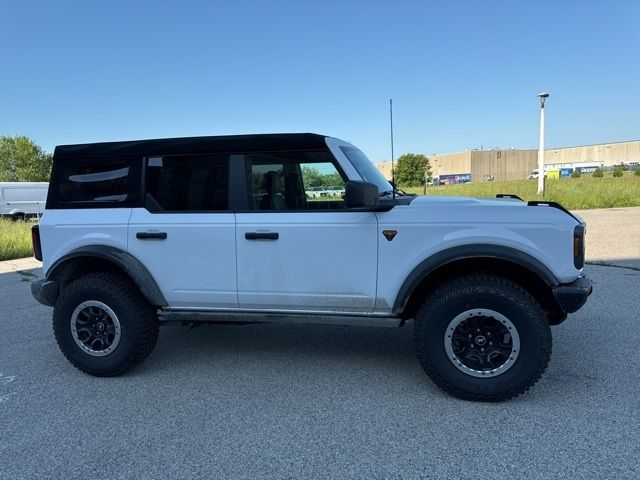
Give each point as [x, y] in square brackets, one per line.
[492, 210]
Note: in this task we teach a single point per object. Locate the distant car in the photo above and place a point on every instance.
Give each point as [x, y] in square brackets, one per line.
[316, 192]
[22, 200]
[335, 191]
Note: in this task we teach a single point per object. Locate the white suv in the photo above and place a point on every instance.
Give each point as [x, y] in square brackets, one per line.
[143, 233]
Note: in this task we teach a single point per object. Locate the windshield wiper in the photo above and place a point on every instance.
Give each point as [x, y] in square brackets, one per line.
[397, 191]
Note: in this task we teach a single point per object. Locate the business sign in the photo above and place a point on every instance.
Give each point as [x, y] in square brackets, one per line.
[566, 172]
[454, 178]
[586, 169]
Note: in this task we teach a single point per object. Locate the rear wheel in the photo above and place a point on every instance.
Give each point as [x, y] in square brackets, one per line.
[103, 324]
[482, 337]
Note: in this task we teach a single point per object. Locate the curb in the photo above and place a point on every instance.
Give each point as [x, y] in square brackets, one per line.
[18, 264]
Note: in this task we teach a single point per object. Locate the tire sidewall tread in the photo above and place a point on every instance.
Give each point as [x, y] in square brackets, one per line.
[138, 322]
[495, 293]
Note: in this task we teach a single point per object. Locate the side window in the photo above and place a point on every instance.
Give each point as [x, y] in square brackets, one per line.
[94, 181]
[294, 181]
[190, 183]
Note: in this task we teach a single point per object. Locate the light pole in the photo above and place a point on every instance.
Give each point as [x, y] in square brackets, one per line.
[543, 96]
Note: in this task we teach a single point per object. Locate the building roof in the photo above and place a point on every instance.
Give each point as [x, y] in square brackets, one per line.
[194, 145]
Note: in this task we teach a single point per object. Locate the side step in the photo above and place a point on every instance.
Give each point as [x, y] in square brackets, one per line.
[187, 318]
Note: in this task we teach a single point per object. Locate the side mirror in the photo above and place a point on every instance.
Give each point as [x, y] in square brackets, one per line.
[358, 194]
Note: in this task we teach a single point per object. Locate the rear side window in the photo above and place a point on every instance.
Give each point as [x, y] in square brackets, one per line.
[187, 183]
[108, 183]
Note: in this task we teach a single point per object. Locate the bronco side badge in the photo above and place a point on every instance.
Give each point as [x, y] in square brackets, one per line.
[389, 234]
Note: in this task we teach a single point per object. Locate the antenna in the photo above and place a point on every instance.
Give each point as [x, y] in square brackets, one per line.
[393, 172]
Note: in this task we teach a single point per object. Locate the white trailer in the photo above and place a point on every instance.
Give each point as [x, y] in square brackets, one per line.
[22, 200]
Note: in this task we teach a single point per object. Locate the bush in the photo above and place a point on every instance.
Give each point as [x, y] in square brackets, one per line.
[637, 172]
[598, 173]
[575, 174]
[617, 172]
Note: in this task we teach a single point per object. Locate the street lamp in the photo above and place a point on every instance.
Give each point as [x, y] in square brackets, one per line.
[543, 96]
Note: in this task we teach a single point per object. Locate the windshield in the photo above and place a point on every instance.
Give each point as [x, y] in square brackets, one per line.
[366, 169]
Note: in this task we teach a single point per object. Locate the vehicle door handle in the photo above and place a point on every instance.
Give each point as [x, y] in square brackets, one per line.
[151, 235]
[261, 235]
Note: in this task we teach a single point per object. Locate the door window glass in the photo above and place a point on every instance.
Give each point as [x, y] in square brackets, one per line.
[191, 183]
[294, 181]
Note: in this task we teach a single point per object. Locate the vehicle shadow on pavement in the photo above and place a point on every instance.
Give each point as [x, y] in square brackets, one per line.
[285, 343]
[312, 357]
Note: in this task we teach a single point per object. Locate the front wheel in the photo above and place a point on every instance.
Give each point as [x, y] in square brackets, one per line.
[482, 337]
[103, 324]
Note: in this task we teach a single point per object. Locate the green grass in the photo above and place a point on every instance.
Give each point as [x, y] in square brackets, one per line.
[15, 239]
[573, 193]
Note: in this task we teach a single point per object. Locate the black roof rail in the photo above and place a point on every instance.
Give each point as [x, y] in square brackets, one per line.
[536, 203]
[509, 195]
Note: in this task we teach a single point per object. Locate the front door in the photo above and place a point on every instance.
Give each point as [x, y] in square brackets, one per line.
[298, 251]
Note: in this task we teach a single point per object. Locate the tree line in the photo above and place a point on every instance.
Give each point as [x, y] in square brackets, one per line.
[22, 160]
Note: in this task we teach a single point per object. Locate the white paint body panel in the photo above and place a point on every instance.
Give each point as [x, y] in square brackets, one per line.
[433, 224]
[321, 261]
[196, 265]
[65, 230]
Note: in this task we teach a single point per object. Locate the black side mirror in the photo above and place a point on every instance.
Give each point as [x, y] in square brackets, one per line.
[360, 194]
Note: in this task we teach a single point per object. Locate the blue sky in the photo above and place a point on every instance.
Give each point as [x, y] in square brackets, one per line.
[462, 74]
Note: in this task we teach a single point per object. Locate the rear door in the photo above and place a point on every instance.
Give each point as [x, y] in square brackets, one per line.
[185, 234]
[299, 252]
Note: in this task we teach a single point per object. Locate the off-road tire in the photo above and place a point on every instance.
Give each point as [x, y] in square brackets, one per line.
[138, 320]
[482, 292]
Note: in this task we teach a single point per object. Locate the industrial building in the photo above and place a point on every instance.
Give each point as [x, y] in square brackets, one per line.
[512, 164]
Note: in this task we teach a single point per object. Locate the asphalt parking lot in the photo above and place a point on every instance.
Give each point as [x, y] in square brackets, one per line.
[294, 401]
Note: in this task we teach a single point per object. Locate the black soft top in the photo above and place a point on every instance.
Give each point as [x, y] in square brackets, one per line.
[193, 145]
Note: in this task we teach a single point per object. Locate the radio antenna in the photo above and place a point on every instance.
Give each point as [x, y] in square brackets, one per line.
[393, 170]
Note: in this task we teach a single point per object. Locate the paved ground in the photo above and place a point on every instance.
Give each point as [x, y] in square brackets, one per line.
[613, 236]
[269, 401]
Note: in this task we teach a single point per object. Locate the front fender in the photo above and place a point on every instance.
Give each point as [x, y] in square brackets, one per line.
[461, 252]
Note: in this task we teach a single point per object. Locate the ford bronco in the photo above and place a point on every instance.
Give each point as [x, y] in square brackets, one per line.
[219, 229]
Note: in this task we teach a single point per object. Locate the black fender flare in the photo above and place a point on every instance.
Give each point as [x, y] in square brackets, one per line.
[439, 259]
[127, 262]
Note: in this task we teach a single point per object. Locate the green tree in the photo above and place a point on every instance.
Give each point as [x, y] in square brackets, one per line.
[617, 172]
[22, 160]
[575, 174]
[637, 172]
[332, 179]
[311, 177]
[598, 173]
[410, 170]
